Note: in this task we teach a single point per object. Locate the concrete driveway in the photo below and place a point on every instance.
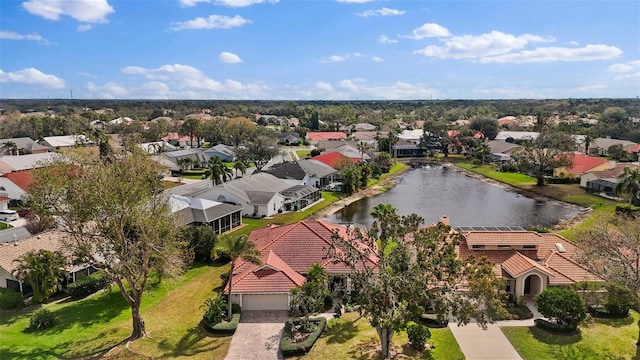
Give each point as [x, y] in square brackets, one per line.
[258, 336]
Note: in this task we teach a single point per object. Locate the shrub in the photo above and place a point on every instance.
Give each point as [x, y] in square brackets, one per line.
[214, 310]
[236, 309]
[418, 335]
[547, 325]
[224, 327]
[337, 311]
[42, 319]
[433, 321]
[619, 300]
[87, 285]
[10, 299]
[287, 345]
[562, 305]
[627, 209]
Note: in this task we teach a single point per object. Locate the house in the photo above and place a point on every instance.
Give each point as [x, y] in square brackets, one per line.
[304, 172]
[11, 163]
[52, 241]
[15, 184]
[364, 127]
[367, 137]
[288, 252]
[580, 165]
[352, 153]
[66, 141]
[411, 136]
[221, 217]
[529, 262]
[603, 182]
[501, 152]
[156, 147]
[24, 145]
[511, 136]
[288, 138]
[315, 136]
[633, 152]
[334, 159]
[196, 156]
[332, 145]
[600, 146]
[404, 148]
[182, 141]
[121, 121]
[224, 152]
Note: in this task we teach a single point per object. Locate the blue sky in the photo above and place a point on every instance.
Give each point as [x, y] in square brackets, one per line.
[319, 49]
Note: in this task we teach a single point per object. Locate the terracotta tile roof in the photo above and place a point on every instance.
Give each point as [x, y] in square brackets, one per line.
[569, 270]
[583, 163]
[334, 159]
[22, 179]
[52, 241]
[327, 135]
[274, 275]
[518, 264]
[502, 238]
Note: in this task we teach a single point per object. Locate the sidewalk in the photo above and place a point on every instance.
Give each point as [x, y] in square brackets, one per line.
[490, 344]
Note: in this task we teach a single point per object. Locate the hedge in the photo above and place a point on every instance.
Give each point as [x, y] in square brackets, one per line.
[10, 299]
[225, 327]
[289, 348]
[553, 327]
[87, 285]
[432, 322]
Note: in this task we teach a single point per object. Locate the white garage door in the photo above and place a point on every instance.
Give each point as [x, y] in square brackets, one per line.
[265, 302]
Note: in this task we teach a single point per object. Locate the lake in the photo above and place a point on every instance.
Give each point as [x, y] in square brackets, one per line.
[434, 192]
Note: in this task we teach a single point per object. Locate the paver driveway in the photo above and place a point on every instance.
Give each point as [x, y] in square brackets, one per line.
[257, 336]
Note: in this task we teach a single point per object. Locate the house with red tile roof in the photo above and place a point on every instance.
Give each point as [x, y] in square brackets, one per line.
[288, 252]
[335, 159]
[529, 262]
[315, 136]
[580, 165]
[603, 182]
[16, 184]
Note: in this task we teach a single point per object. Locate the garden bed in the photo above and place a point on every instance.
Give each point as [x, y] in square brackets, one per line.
[224, 327]
[298, 343]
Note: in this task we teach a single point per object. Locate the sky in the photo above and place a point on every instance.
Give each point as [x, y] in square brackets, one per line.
[319, 49]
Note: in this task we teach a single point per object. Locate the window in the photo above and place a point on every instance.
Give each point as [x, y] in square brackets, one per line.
[528, 246]
[507, 286]
[477, 247]
[504, 246]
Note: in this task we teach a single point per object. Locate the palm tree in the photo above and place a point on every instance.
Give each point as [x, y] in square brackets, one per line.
[241, 167]
[236, 248]
[10, 148]
[364, 148]
[482, 151]
[185, 163]
[628, 183]
[42, 270]
[219, 171]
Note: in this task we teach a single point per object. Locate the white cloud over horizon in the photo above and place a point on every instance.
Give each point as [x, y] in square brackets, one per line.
[32, 76]
[229, 58]
[90, 11]
[210, 22]
[554, 54]
[244, 3]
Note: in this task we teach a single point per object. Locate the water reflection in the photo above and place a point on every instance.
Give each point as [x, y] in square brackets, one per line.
[433, 192]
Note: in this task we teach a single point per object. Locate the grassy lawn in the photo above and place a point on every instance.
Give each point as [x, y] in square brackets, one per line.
[398, 166]
[351, 337]
[302, 154]
[4, 226]
[597, 339]
[95, 324]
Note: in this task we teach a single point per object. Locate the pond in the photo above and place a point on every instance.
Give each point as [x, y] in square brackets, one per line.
[434, 192]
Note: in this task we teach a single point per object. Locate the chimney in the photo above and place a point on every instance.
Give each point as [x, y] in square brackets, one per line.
[444, 219]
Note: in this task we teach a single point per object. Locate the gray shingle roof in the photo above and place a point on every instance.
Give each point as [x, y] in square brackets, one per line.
[29, 161]
[316, 168]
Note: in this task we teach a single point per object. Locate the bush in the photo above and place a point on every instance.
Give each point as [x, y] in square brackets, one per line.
[627, 209]
[42, 319]
[418, 335]
[287, 345]
[10, 299]
[562, 305]
[236, 309]
[553, 327]
[215, 310]
[619, 300]
[87, 285]
[433, 321]
[224, 327]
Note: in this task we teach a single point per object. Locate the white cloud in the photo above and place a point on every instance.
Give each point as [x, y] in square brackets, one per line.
[90, 11]
[553, 54]
[85, 27]
[357, 54]
[244, 3]
[480, 46]
[334, 58]
[398, 90]
[12, 35]
[109, 90]
[377, 59]
[229, 58]
[382, 12]
[354, 1]
[324, 86]
[349, 85]
[589, 88]
[32, 76]
[572, 43]
[384, 39]
[630, 76]
[512, 93]
[210, 22]
[621, 68]
[428, 30]
[190, 3]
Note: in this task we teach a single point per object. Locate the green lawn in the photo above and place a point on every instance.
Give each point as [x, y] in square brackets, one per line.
[4, 226]
[100, 322]
[351, 337]
[302, 154]
[597, 339]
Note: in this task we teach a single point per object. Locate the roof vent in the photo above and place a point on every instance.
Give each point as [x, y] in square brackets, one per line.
[560, 247]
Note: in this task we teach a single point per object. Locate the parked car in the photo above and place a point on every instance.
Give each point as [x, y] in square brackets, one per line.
[8, 215]
[24, 212]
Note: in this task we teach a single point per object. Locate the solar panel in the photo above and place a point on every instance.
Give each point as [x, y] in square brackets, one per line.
[490, 228]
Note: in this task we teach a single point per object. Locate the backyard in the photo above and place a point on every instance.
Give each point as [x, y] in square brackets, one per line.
[596, 339]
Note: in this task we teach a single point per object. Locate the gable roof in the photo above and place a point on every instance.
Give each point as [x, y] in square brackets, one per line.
[192, 209]
[582, 163]
[517, 264]
[22, 179]
[325, 135]
[605, 143]
[66, 140]
[29, 161]
[517, 135]
[274, 275]
[502, 146]
[613, 173]
[23, 143]
[503, 238]
[52, 241]
[333, 159]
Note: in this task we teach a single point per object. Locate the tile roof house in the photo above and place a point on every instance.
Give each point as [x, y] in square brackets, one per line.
[517, 135]
[334, 159]
[182, 141]
[580, 165]
[603, 182]
[25, 145]
[288, 252]
[315, 136]
[600, 146]
[528, 261]
[16, 184]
